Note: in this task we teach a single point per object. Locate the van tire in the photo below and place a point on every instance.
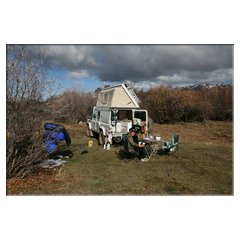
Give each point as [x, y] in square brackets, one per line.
[150, 125]
[101, 138]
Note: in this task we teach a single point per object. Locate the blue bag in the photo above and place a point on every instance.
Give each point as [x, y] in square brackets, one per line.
[54, 133]
[50, 146]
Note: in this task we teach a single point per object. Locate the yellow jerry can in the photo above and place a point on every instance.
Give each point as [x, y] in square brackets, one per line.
[90, 143]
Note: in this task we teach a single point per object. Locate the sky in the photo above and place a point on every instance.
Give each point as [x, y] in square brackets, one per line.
[92, 66]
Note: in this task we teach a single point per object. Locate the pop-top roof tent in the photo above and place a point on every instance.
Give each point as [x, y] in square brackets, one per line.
[118, 96]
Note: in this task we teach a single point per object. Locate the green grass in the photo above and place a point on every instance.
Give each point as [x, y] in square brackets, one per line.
[201, 169]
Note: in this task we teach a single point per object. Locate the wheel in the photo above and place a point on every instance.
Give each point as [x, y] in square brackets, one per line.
[101, 138]
[150, 125]
[88, 131]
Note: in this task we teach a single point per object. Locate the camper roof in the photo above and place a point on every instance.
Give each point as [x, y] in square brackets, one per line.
[118, 96]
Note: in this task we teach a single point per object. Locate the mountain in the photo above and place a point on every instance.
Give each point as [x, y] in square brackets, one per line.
[203, 86]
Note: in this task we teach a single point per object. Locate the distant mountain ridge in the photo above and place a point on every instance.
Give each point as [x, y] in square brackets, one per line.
[202, 86]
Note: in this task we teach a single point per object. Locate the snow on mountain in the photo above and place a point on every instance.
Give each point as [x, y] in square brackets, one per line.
[203, 86]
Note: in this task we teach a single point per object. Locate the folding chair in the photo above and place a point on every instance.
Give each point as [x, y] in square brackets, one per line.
[171, 147]
[125, 153]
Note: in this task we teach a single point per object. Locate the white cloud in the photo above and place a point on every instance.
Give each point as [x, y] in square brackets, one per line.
[79, 83]
[146, 85]
[82, 74]
[175, 77]
[220, 75]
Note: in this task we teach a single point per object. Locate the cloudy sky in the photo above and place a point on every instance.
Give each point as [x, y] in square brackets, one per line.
[91, 66]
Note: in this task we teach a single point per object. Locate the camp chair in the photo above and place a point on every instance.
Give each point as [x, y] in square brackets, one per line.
[171, 147]
[125, 153]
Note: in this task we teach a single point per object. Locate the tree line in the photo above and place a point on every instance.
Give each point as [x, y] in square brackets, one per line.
[166, 104]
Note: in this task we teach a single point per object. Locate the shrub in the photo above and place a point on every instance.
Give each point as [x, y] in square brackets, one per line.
[166, 104]
[27, 88]
[77, 106]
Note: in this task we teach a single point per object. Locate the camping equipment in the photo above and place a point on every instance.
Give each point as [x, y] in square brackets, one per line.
[152, 145]
[171, 147]
[53, 134]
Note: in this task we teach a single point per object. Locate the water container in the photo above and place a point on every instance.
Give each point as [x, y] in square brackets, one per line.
[118, 127]
[108, 146]
[90, 143]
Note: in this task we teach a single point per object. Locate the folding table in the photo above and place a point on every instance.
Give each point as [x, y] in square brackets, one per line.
[152, 141]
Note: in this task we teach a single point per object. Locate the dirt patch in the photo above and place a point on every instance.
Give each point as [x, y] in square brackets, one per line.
[16, 186]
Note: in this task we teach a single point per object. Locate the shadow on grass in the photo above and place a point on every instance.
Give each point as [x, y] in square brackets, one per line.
[63, 153]
[121, 155]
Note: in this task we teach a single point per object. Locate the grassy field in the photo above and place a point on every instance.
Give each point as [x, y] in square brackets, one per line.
[204, 166]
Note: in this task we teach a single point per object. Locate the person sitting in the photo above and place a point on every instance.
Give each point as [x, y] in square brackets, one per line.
[133, 139]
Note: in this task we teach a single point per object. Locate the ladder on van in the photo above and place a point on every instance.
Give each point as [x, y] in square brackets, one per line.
[133, 94]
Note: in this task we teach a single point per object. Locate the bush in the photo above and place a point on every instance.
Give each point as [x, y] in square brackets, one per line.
[166, 104]
[27, 89]
[77, 106]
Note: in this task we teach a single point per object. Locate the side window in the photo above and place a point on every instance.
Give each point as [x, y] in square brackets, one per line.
[98, 116]
[94, 114]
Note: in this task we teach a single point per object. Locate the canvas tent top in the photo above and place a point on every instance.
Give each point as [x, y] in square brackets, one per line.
[118, 96]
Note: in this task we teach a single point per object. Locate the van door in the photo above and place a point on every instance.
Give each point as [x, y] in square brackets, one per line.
[97, 121]
[94, 119]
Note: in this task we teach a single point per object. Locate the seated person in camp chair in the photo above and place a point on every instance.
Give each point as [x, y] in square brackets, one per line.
[133, 139]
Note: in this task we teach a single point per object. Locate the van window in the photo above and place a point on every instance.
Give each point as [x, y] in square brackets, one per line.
[141, 115]
[94, 114]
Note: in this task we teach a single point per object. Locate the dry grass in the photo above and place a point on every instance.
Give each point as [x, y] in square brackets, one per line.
[210, 133]
[204, 167]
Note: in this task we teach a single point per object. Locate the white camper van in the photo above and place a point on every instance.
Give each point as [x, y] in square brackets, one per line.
[116, 111]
